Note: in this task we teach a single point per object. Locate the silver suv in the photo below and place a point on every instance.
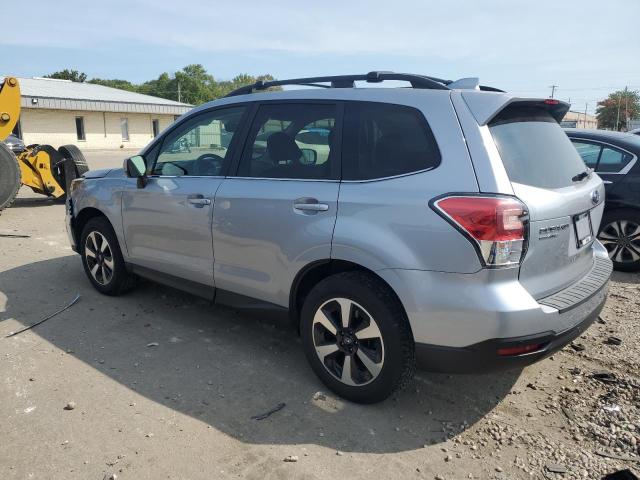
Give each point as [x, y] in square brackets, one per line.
[447, 224]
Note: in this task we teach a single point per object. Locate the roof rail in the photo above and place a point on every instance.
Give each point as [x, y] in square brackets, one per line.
[348, 81]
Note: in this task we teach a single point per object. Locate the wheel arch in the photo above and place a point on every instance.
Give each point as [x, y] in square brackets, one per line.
[314, 272]
[83, 217]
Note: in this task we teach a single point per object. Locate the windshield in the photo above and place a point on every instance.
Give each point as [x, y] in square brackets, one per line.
[534, 149]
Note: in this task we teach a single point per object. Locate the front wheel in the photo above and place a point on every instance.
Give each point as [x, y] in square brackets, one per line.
[357, 338]
[620, 235]
[102, 259]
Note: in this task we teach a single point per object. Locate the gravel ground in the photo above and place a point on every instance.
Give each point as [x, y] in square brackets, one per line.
[159, 384]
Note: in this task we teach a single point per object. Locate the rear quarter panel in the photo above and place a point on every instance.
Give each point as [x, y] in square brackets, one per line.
[389, 224]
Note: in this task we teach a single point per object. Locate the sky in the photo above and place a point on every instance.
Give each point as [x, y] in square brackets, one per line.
[587, 48]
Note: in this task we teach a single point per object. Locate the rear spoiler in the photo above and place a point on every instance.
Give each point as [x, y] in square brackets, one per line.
[485, 105]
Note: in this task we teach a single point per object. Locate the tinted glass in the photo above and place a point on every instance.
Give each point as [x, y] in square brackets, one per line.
[613, 160]
[588, 151]
[534, 149]
[200, 145]
[383, 140]
[291, 141]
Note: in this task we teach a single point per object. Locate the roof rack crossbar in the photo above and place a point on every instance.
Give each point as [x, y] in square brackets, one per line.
[347, 81]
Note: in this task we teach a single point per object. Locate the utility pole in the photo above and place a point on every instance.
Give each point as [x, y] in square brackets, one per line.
[179, 96]
[626, 109]
[553, 90]
[618, 114]
[585, 114]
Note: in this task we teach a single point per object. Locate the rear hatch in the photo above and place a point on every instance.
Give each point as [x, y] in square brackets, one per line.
[548, 175]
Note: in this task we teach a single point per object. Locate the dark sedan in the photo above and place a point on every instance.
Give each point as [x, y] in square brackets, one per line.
[614, 156]
[15, 144]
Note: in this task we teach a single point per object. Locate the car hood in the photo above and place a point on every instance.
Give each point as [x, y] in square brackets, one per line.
[98, 173]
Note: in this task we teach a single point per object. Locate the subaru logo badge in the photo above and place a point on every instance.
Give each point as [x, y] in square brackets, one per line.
[595, 197]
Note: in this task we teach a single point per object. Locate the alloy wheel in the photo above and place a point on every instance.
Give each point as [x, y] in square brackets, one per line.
[622, 240]
[99, 257]
[348, 341]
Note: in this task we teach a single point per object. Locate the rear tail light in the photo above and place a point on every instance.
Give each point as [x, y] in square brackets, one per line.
[497, 226]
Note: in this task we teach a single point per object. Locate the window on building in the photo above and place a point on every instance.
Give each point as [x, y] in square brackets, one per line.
[80, 129]
[124, 127]
[384, 140]
[155, 126]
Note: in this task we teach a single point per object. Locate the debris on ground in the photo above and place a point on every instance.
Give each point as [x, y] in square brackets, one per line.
[275, 409]
[69, 305]
[291, 458]
[153, 344]
[6, 234]
[70, 406]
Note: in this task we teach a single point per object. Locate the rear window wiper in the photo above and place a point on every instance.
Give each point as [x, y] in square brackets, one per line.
[582, 175]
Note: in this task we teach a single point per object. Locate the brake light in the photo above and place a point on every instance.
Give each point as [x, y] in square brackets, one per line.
[552, 101]
[496, 225]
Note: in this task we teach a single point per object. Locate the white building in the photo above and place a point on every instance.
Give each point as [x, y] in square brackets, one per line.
[61, 112]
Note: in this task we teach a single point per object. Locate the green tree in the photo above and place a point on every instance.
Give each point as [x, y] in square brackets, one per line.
[617, 108]
[115, 83]
[161, 87]
[194, 84]
[66, 74]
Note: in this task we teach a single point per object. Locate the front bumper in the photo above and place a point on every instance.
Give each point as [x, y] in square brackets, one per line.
[460, 321]
[68, 222]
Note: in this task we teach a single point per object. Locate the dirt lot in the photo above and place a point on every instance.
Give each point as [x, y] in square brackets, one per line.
[182, 409]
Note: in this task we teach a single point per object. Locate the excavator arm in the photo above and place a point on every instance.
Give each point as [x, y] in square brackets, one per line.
[9, 106]
[41, 167]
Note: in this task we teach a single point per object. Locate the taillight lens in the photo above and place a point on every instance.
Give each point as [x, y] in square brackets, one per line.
[497, 225]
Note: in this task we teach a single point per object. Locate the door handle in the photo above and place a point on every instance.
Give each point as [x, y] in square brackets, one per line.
[198, 200]
[310, 205]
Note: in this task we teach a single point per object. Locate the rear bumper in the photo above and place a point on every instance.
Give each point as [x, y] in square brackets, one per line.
[483, 357]
[460, 321]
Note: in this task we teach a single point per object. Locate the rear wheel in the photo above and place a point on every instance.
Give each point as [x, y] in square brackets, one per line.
[357, 338]
[620, 235]
[10, 176]
[102, 258]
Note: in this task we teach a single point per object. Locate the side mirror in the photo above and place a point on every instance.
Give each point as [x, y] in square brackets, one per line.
[135, 167]
[309, 156]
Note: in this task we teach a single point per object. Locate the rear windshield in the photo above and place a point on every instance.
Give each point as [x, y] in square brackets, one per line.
[534, 149]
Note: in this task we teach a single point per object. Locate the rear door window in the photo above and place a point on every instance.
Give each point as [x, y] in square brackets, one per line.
[613, 160]
[293, 141]
[589, 152]
[384, 140]
[534, 149]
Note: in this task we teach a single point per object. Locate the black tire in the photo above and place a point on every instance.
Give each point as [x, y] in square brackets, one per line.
[73, 153]
[120, 281]
[380, 303]
[620, 235]
[10, 177]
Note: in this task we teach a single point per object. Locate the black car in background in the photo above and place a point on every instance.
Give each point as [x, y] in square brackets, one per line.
[15, 144]
[614, 156]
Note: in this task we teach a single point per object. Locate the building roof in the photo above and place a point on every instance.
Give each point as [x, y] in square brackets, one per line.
[66, 95]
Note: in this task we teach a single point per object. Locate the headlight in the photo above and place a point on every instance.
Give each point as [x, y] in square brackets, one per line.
[75, 183]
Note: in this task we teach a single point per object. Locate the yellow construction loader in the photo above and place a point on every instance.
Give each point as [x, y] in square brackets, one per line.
[41, 167]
